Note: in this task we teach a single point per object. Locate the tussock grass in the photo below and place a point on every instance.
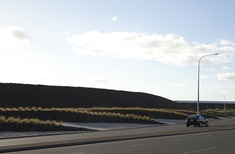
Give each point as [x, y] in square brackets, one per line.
[100, 114]
[97, 110]
[87, 111]
[97, 114]
[17, 124]
[140, 109]
[4, 119]
[219, 112]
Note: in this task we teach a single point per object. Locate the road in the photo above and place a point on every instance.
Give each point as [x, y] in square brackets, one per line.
[165, 139]
[200, 143]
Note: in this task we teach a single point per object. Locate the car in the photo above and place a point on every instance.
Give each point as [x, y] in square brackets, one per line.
[196, 120]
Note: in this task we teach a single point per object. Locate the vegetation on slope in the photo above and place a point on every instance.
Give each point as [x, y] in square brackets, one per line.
[39, 117]
[16, 95]
[32, 124]
[44, 108]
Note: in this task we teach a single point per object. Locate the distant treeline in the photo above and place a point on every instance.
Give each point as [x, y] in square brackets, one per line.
[25, 95]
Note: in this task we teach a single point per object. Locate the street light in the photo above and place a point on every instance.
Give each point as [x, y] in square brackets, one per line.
[198, 78]
[224, 101]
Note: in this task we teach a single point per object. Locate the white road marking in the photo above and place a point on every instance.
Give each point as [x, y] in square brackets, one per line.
[137, 145]
[198, 150]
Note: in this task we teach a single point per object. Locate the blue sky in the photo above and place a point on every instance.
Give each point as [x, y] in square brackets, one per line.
[148, 46]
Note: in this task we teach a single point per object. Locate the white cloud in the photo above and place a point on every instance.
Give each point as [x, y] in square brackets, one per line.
[114, 19]
[14, 36]
[226, 76]
[226, 68]
[169, 48]
[227, 42]
[204, 77]
[178, 84]
[66, 33]
[102, 80]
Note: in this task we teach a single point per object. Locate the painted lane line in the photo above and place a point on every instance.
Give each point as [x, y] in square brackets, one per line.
[137, 145]
[206, 149]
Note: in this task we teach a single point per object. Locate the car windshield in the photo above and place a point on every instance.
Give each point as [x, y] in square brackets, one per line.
[193, 116]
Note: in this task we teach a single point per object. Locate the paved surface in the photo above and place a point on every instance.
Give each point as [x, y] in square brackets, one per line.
[91, 126]
[40, 142]
[217, 142]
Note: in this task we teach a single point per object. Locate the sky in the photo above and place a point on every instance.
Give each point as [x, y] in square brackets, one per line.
[150, 46]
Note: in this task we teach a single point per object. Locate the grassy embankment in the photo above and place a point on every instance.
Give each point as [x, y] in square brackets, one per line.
[46, 119]
[43, 108]
[76, 104]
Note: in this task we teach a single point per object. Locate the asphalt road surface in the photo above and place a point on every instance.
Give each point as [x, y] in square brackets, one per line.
[217, 142]
[219, 137]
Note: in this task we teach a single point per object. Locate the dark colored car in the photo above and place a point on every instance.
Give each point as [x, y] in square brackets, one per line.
[196, 120]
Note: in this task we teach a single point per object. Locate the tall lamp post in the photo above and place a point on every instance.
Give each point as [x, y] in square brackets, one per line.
[224, 101]
[198, 79]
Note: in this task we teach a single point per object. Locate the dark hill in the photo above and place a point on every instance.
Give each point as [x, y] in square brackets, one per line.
[25, 95]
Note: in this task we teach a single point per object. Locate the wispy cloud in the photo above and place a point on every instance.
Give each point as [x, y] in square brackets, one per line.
[226, 76]
[14, 36]
[204, 77]
[169, 48]
[66, 33]
[102, 80]
[114, 18]
[226, 68]
[178, 84]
